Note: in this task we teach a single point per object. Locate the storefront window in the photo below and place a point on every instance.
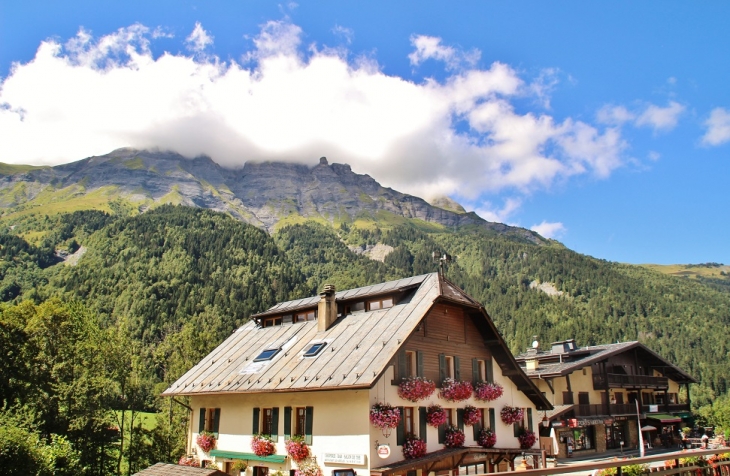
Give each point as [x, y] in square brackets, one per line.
[583, 438]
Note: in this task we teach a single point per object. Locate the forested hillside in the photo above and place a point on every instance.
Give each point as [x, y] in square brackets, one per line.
[151, 294]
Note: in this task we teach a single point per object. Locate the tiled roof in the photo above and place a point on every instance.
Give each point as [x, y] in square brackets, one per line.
[166, 469]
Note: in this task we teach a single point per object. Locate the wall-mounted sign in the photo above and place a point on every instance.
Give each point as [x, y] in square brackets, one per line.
[344, 458]
[653, 408]
[383, 451]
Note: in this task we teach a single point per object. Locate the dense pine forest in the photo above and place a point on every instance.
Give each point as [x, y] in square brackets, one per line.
[100, 312]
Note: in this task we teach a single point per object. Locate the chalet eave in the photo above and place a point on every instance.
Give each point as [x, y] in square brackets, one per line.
[268, 390]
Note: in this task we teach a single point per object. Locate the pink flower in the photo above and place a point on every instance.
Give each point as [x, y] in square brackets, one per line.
[487, 391]
[297, 449]
[308, 468]
[206, 441]
[414, 447]
[435, 415]
[416, 388]
[487, 438]
[510, 415]
[384, 415]
[527, 438]
[263, 445]
[454, 437]
[455, 391]
[472, 415]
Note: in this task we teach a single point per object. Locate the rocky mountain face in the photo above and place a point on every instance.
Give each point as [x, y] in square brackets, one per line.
[262, 194]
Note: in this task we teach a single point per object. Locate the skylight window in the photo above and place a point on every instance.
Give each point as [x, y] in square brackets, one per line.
[268, 354]
[314, 349]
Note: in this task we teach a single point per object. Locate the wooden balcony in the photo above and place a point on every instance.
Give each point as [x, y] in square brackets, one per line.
[630, 382]
[622, 409]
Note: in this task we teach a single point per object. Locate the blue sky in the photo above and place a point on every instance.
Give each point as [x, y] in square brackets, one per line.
[603, 125]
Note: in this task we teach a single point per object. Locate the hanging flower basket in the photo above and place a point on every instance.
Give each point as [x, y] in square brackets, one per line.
[487, 391]
[189, 461]
[455, 391]
[308, 467]
[263, 445]
[206, 441]
[414, 447]
[487, 438]
[435, 415]
[472, 415]
[454, 437]
[510, 415]
[527, 438]
[297, 449]
[416, 388]
[384, 415]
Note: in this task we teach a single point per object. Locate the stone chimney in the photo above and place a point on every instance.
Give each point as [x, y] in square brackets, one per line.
[327, 310]
[532, 363]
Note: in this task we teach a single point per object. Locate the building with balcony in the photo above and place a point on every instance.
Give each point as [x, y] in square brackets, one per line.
[604, 395]
[314, 368]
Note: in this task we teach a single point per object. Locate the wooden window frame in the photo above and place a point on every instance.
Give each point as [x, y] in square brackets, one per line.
[305, 316]
[411, 369]
[300, 421]
[450, 367]
[267, 419]
[409, 420]
[385, 302]
[272, 321]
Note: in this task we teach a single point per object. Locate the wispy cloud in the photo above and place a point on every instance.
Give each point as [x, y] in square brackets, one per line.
[346, 33]
[718, 127]
[650, 115]
[550, 229]
[293, 102]
[431, 47]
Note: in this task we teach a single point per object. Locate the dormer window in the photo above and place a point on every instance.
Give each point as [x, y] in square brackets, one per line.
[305, 316]
[382, 303]
[314, 349]
[268, 354]
[272, 321]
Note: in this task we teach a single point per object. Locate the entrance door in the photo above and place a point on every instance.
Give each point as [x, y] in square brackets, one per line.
[614, 436]
[260, 471]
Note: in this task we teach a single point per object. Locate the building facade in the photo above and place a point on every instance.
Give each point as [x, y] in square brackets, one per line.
[313, 369]
[605, 395]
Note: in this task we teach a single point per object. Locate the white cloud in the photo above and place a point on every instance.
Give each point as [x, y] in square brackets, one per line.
[489, 213]
[661, 118]
[294, 103]
[430, 47]
[615, 115]
[718, 127]
[550, 230]
[344, 32]
[199, 39]
[654, 155]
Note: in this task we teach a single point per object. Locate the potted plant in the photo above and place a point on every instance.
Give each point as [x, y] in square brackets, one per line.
[488, 391]
[414, 447]
[206, 441]
[472, 415]
[263, 445]
[455, 391]
[487, 438]
[454, 437]
[435, 415]
[414, 389]
[510, 415]
[527, 438]
[240, 466]
[384, 415]
[297, 449]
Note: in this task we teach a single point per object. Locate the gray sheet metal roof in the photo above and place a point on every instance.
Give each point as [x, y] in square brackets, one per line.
[585, 356]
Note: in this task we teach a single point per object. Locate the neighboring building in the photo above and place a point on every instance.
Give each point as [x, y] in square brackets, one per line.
[594, 391]
[314, 367]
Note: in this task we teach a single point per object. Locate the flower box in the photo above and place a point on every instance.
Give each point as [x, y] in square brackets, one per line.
[297, 449]
[510, 415]
[487, 391]
[454, 437]
[262, 445]
[206, 441]
[455, 391]
[435, 415]
[384, 415]
[416, 388]
[414, 447]
[527, 439]
[487, 438]
[472, 415]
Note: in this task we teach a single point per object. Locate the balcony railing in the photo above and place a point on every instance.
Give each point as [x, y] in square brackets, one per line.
[629, 381]
[618, 409]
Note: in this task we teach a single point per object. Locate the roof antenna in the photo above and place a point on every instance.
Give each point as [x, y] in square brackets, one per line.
[443, 260]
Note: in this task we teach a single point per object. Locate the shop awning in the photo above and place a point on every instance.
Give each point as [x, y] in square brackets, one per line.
[664, 418]
[247, 456]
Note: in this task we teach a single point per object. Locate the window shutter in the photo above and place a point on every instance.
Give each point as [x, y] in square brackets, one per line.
[255, 429]
[492, 420]
[422, 424]
[442, 434]
[489, 370]
[457, 368]
[201, 422]
[401, 365]
[474, 371]
[308, 425]
[442, 368]
[516, 429]
[529, 419]
[275, 423]
[460, 418]
[216, 419]
[287, 423]
[400, 431]
[419, 363]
